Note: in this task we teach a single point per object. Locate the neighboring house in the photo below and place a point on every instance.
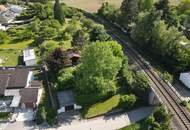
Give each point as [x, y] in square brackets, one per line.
[18, 86]
[66, 101]
[185, 78]
[29, 57]
[9, 12]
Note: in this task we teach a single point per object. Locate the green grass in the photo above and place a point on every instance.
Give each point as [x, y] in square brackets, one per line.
[10, 57]
[140, 125]
[188, 106]
[17, 45]
[90, 5]
[103, 107]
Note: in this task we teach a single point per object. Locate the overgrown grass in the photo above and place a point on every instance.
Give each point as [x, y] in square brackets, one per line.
[102, 107]
[17, 45]
[140, 125]
[10, 57]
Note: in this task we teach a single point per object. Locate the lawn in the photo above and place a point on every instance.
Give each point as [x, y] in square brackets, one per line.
[17, 45]
[102, 107]
[90, 5]
[141, 125]
[10, 57]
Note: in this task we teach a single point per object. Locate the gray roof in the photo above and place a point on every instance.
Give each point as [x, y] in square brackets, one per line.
[66, 98]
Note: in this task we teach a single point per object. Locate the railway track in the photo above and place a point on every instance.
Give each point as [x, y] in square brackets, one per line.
[170, 99]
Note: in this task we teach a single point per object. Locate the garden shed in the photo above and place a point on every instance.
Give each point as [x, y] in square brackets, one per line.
[66, 101]
[185, 78]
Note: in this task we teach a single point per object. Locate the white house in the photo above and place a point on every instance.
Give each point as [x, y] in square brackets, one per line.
[185, 78]
[29, 57]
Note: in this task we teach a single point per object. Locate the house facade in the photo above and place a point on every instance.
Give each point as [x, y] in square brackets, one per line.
[17, 86]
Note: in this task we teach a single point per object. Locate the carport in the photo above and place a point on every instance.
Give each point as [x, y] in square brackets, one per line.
[66, 101]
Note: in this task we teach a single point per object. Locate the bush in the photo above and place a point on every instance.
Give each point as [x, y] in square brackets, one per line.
[66, 79]
[4, 115]
[168, 77]
[128, 101]
[40, 114]
[51, 116]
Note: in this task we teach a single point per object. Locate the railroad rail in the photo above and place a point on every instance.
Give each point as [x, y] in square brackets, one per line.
[170, 99]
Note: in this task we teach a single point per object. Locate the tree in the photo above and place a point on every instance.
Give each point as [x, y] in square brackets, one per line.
[167, 14]
[99, 67]
[55, 60]
[141, 86]
[146, 5]
[127, 75]
[48, 47]
[108, 11]
[79, 38]
[98, 33]
[59, 12]
[129, 10]
[65, 79]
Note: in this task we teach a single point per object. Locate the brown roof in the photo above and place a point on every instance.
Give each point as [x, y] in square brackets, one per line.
[29, 95]
[35, 84]
[17, 77]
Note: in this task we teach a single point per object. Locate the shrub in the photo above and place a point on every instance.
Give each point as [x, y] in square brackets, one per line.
[40, 114]
[128, 101]
[51, 116]
[4, 115]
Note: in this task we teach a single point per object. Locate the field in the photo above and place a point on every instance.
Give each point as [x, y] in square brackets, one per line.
[90, 5]
[94, 5]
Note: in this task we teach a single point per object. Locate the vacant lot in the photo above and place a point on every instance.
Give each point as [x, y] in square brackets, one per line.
[90, 5]
[94, 5]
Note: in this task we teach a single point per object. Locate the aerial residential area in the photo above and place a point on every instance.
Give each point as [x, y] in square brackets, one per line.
[95, 64]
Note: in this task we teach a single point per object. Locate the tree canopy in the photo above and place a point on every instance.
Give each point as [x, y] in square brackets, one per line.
[100, 63]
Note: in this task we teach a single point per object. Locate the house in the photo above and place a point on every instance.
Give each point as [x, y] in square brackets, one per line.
[185, 78]
[9, 12]
[18, 86]
[66, 101]
[29, 57]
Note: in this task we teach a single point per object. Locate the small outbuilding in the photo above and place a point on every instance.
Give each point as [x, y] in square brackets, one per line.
[29, 57]
[66, 101]
[185, 78]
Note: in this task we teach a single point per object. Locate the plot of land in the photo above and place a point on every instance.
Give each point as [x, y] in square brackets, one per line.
[90, 5]
[9, 57]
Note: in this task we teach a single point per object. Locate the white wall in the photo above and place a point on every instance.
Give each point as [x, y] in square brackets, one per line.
[185, 79]
[30, 62]
[29, 78]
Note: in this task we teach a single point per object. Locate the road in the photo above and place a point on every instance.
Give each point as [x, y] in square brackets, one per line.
[113, 122]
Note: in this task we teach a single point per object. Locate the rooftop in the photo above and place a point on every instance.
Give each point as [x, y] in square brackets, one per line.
[65, 98]
[13, 78]
[29, 54]
[29, 94]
